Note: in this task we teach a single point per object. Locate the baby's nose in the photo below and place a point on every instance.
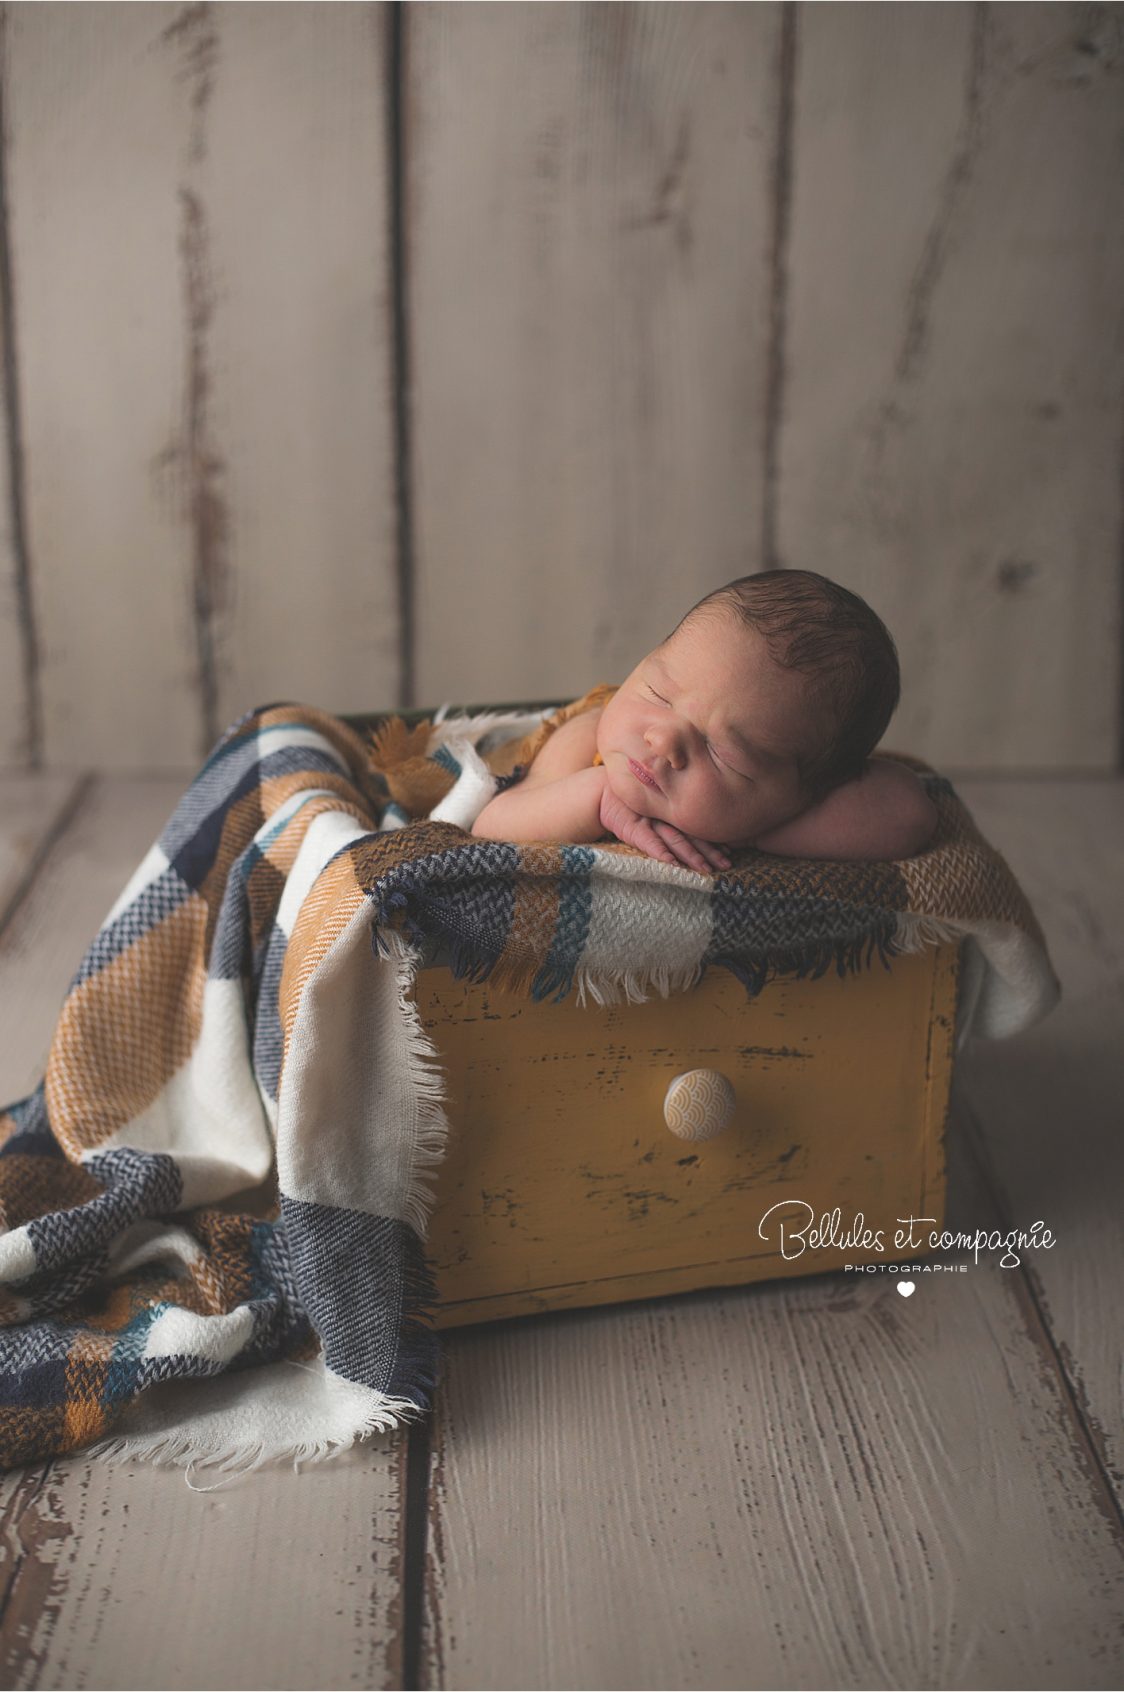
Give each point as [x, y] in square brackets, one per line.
[665, 739]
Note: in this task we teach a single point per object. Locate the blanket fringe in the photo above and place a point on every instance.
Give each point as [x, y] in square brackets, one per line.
[417, 1362]
[849, 956]
[635, 987]
[539, 981]
[179, 1447]
[916, 932]
[429, 1089]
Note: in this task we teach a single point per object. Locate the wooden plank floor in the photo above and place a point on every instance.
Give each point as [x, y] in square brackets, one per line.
[806, 1484]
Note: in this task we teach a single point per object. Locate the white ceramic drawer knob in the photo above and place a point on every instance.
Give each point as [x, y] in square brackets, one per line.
[699, 1104]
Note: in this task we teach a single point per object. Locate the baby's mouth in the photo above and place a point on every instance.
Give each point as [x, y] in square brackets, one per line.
[644, 774]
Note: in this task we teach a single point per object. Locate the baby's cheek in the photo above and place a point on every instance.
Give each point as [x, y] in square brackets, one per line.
[709, 818]
[736, 819]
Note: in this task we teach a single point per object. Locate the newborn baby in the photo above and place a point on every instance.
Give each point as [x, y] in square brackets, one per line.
[751, 725]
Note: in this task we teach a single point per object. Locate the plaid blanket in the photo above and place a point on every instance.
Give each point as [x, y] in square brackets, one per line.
[212, 1208]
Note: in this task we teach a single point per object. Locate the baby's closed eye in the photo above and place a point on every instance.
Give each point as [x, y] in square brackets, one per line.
[724, 759]
[723, 762]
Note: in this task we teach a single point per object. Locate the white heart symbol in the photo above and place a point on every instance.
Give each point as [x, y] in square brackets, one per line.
[905, 1288]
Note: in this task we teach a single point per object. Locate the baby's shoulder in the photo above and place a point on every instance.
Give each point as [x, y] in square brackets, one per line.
[571, 747]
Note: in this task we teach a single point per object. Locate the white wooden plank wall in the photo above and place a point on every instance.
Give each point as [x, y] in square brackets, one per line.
[18, 702]
[199, 237]
[93, 162]
[295, 189]
[951, 444]
[688, 290]
[589, 298]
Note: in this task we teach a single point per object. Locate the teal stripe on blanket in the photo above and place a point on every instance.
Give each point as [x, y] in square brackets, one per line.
[571, 931]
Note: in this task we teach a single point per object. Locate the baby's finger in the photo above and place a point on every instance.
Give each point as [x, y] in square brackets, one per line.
[686, 852]
[716, 856]
[644, 836]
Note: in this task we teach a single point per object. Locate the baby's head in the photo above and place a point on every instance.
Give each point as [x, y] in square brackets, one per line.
[770, 692]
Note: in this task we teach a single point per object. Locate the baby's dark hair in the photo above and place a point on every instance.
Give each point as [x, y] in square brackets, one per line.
[832, 636]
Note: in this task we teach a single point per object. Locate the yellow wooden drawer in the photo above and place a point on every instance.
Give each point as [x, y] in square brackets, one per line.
[562, 1186]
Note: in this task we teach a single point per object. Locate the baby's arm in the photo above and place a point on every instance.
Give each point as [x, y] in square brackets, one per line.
[564, 797]
[568, 808]
[560, 796]
[884, 814]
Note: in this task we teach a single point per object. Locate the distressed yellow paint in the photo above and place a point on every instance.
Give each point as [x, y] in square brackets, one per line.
[563, 1187]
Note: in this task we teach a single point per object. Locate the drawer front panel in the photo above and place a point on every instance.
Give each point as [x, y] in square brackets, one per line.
[562, 1184]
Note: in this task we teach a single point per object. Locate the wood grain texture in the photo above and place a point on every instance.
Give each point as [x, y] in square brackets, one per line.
[32, 809]
[291, 178]
[98, 124]
[1048, 1101]
[954, 353]
[589, 265]
[685, 286]
[124, 1577]
[811, 1483]
[127, 1579]
[199, 229]
[19, 727]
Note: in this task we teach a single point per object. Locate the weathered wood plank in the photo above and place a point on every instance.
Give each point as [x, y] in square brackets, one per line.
[952, 402]
[128, 1579]
[97, 122]
[124, 1577]
[292, 181]
[32, 809]
[76, 885]
[199, 231]
[18, 658]
[589, 264]
[1048, 1101]
[811, 1483]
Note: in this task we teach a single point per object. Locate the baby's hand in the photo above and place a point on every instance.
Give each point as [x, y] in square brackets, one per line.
[659, 839]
